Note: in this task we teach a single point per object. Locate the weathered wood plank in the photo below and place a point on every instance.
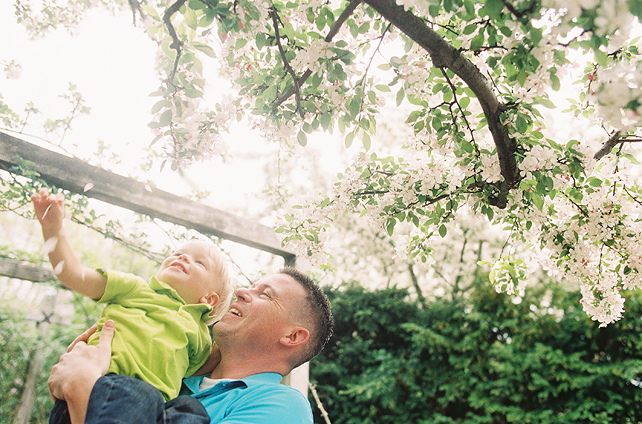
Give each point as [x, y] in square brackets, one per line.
[73, 174]
[25, 271]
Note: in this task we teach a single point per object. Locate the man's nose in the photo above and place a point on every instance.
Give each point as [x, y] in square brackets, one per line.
[243, 294]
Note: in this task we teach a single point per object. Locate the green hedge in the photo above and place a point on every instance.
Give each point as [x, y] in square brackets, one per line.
[478, 359]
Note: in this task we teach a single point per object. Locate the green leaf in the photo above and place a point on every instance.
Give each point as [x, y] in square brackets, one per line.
[469, 29]
[325, 120]
[349, 139]
[354, 105]
[193, 93]
[537, 200]
[521, 124]
[366, 141]
[595, 182]
[546, 103]
[204, 48]
[165, 118]
[443, 230]
[190, 18]
[160, 105]
[390, 226]
[400, 96]
[477, 42]
[555, 82]
[150, 11]
[493, 8]
[302, 138]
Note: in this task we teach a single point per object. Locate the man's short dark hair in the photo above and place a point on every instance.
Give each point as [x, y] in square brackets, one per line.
[318, 310]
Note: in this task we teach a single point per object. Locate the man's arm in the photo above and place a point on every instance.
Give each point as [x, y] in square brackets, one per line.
[73, 378]
[50, 212]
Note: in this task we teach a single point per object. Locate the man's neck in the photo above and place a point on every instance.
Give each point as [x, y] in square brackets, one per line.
[236, 367]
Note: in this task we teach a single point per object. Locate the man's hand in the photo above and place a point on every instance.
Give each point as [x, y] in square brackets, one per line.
[77, 371]
[83, 337]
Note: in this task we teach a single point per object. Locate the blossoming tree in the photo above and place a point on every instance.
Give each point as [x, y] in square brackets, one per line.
[476, 79]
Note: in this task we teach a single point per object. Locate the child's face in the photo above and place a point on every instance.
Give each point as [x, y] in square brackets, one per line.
[190, 271]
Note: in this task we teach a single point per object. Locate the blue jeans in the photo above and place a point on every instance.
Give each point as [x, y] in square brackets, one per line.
[117, 399]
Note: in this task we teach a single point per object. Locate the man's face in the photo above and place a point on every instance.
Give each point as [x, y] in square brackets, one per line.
[263, 313]
[190, 271]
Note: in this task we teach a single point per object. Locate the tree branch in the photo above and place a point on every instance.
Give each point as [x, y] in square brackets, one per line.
[445, 55]
[608, 146]
[415, 284]
[296, 87]
[520, 14]
[612, 141]
[135, 7]
[176, 43]
[333, 31]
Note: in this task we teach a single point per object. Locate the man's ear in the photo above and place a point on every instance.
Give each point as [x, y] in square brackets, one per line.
[297, 336]
[210, 299]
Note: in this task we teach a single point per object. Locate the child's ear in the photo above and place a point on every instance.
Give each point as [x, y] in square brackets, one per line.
[210, 299]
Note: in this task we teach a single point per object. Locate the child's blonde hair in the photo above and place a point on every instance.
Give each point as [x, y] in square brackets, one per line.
[225, 287]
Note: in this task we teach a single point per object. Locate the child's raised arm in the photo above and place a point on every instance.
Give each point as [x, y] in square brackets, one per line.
[50, 211]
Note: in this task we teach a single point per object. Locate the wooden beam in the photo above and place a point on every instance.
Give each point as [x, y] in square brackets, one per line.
[25, 271]
[74, 175]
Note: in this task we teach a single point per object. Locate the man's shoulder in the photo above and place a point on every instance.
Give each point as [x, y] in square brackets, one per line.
[277, 389]
[278, 397]
[259, 398]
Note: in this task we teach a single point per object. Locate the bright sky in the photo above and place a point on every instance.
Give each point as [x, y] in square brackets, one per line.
[112, 64]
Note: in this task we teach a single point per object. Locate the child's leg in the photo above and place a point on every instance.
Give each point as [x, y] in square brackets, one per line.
[185, 410]
[116, 399]
[59, 413]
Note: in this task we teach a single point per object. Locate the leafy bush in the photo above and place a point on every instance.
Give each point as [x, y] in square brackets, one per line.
[478, 359]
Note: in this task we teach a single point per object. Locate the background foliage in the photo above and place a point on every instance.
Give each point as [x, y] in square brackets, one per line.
[20, 340]
[478, 359]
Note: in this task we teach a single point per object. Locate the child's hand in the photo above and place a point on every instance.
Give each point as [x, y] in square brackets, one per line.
[50, 211]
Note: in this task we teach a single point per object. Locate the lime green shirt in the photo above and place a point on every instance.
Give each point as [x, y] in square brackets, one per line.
[158, 339]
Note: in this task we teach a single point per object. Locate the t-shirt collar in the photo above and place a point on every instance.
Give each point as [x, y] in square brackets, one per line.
[160, 287]
[193, 383]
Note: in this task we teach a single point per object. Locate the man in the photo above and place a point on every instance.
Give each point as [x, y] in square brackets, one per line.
[272, 327]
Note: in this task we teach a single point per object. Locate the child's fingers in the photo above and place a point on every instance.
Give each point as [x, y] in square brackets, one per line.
[58, 197]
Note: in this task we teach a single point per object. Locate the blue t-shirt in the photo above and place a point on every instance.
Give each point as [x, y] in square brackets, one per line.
[257, 399]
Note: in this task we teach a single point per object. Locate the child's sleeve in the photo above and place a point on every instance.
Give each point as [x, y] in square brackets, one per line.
[119, 285]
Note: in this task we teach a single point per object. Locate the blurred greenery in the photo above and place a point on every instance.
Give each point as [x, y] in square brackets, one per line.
[20, 340]
[480, 358]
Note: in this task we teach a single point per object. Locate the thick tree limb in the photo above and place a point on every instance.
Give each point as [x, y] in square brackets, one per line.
[615, 139]
[444, 55]
[608, 146]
